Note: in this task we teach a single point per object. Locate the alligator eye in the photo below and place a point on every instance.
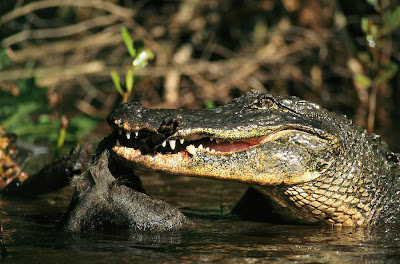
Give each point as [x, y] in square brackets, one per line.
[264, 103]
[268, 103]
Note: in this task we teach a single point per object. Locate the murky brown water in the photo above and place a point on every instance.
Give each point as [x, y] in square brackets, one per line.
[30, 234]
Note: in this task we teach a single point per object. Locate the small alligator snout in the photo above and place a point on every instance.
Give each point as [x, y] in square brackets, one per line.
[169, 126]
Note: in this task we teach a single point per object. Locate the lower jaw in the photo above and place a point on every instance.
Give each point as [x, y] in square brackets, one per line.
[134, 154]
[190, 150]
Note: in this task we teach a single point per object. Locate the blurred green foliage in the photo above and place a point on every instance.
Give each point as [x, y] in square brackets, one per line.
[382, 68]
[392, 21]
[28, 115]
[4, 59]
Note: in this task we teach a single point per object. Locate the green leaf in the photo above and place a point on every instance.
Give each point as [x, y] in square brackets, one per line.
[142, 59]
[210, 105]
[116, 80]
[61, 138]
[4, 59]
[363, 81]
[128, 42]
[392, 21]
[129, 80]
[365, 24]
[388, 71]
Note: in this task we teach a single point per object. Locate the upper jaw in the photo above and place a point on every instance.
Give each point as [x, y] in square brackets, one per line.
[172, 130]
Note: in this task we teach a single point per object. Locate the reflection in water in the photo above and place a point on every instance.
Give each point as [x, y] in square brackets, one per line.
[31, 236]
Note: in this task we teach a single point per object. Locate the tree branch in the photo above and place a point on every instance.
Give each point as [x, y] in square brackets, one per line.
[107, 37]
[59, 32]
[98, 4]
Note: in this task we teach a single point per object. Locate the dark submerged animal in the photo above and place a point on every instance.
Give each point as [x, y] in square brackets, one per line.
[110, 196]
[303, 164]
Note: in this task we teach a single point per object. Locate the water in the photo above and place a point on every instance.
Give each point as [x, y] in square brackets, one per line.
[30, 234]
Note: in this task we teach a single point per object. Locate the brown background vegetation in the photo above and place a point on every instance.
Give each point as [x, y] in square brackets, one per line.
[205, 52]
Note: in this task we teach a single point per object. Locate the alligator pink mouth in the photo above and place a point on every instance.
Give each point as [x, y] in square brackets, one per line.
[184, 147]
[127, 144]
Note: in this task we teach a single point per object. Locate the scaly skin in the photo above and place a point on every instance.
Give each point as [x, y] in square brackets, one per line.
[313, 166]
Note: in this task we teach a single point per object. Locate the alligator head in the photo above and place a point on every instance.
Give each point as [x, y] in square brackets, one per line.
[314, 165]
[255, 139]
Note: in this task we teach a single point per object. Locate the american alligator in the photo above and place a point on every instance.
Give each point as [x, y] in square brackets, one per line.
[303, 163]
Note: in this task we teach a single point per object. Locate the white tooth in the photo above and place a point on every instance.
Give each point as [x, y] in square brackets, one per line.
[120, 131]
[117, 143]
[128, 135]
[172, 143]
[207, 148]
[164, 144]
[191, 149]
[217, 141]
[136, 133]
[200, 146]
[182, 141]
[213, 150]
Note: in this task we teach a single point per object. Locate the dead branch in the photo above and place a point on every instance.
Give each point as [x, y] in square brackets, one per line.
[108, 6]
[217, 69]
[59, 32]
[107, 37]
[235, 70]
[61, 72]
[269, 54]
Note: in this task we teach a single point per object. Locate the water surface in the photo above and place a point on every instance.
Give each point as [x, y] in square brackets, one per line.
[31, 236]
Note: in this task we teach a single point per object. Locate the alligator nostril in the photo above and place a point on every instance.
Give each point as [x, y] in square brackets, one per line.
[169, 126]
[177, 123]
